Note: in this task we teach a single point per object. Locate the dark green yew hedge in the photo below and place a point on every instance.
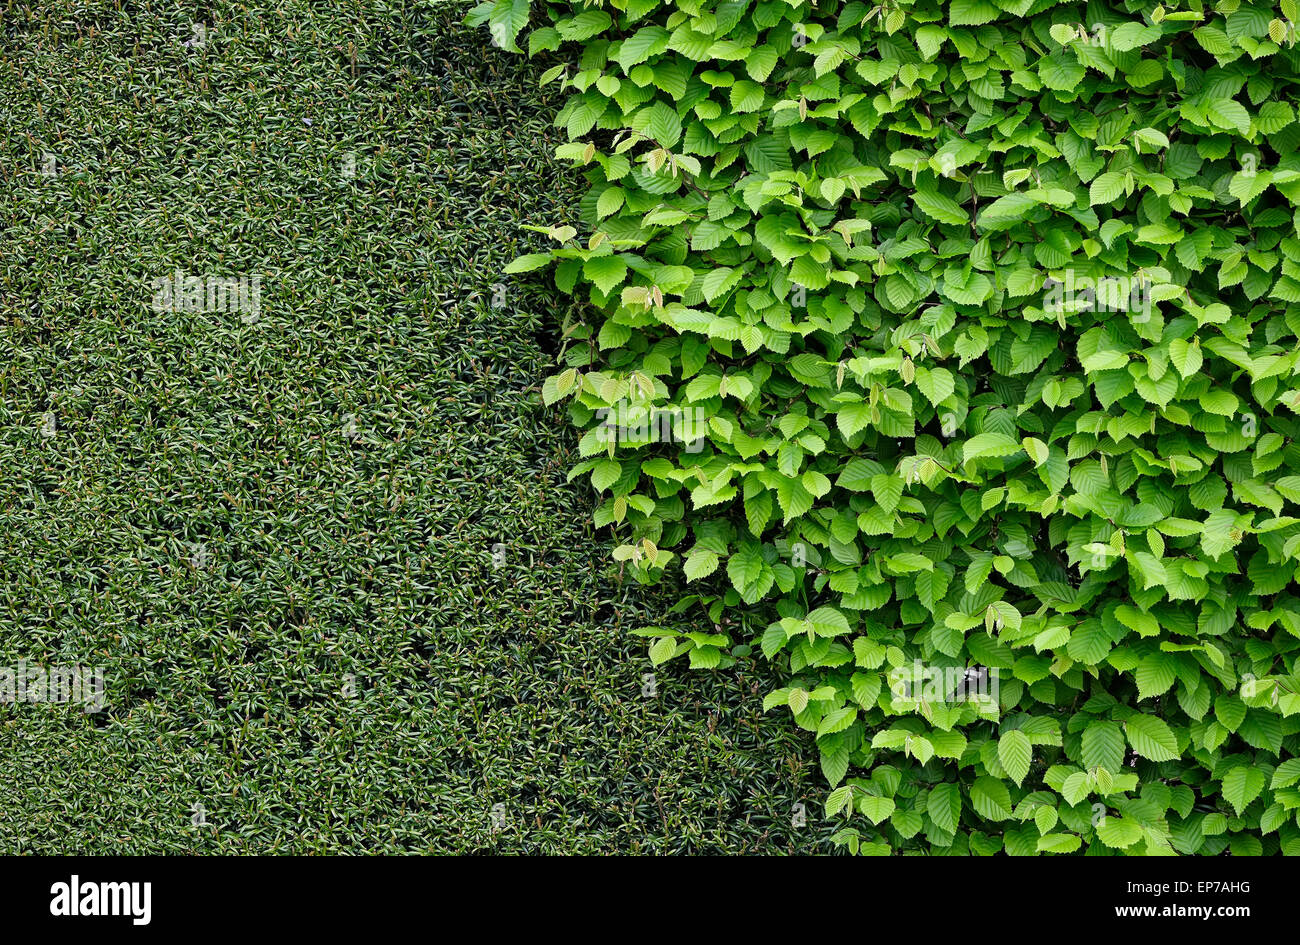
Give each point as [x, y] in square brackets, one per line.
[950, 351]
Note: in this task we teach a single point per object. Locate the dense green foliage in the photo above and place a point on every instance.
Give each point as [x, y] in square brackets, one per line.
[307, 646]
[987, 315]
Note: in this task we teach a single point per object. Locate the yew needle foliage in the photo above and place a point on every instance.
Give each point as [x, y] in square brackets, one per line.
[976, 325]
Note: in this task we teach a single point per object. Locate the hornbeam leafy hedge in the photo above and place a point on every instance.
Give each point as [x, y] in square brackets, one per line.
[951, 350]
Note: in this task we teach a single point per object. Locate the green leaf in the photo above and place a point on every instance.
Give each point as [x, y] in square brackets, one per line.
[605, 271]
[991, 799]
[1106, 188]
[1060, 71]
[944, 806]
[700, 563]
[1119, 832]
[938, 207]
[1241, 785]
[1006, 211]
[936, 384]
[828, 622]
[1103, 747]
[1286, 774]
[527, 263]
[1155, 675]
[1015, 754]
[746, 96]
[662, 650]
[1229, 115]
[837, 720]
[1151, 738]
[1186, 357]
[506, 19]
[876, 809]
[611, 199]
[989, 445]
[646, 42]
[1058, 843]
